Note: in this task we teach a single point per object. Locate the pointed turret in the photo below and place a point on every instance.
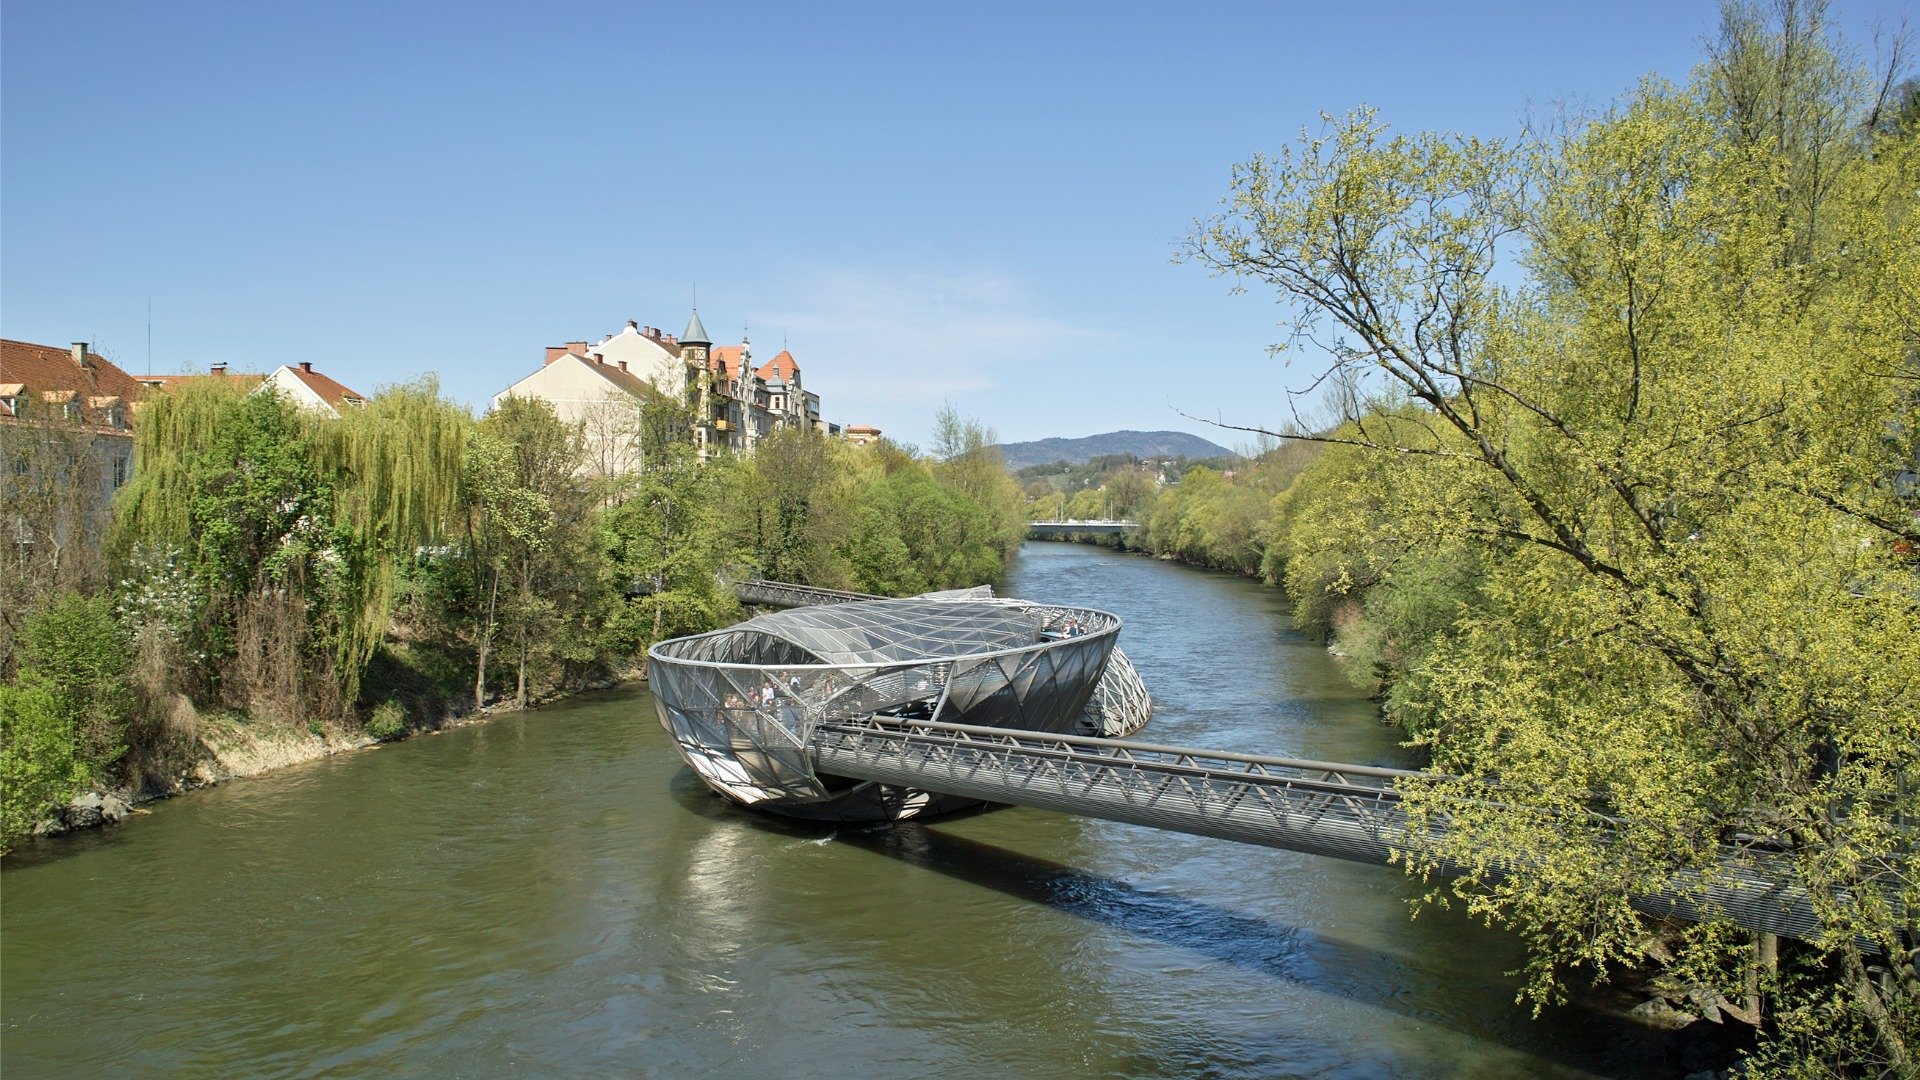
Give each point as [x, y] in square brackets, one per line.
[696, 334]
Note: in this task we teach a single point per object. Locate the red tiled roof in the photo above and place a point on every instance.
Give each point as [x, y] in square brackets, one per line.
[44, 370]
[161, 382]
[783, 365]
[725, 359]
[331, 392]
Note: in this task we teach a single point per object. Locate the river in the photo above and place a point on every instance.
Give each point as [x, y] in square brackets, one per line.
[552, 893]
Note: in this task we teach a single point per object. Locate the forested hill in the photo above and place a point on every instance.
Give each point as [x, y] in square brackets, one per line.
[1141, 444]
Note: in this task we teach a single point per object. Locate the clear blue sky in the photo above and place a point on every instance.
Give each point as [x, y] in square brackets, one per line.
[970, 203]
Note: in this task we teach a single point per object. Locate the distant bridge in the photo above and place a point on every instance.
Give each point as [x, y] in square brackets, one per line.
[1101, 527]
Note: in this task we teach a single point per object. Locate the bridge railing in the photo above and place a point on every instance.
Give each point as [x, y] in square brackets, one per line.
[1324, 808]
[764, 593]
[1346, 811]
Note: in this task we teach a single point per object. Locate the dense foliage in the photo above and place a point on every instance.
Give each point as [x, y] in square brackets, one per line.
[338, 575]
[1617, 507]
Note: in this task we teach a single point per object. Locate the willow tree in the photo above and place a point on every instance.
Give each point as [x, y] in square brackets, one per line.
[1681, 439]
[396, 466]
[263, 500]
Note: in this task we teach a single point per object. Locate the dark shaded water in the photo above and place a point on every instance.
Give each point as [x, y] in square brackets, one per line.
[554, 894]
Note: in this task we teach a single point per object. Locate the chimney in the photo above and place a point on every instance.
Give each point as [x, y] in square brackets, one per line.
[555, 352]
[577, 348]
[217, 369]
[306, 366]
[631, 325]
[623, 365]
[80, 354]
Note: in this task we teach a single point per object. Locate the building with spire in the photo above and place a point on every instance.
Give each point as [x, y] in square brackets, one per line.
[733, 402]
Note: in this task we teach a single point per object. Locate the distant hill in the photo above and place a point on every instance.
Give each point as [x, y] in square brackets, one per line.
[1141, 444]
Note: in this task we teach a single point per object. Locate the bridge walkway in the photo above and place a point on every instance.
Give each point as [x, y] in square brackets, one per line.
[1323, 808]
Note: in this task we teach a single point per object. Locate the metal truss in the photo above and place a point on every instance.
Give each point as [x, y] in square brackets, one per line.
[1344, 811]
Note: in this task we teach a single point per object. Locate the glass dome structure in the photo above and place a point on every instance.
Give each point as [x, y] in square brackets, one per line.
[740, 702]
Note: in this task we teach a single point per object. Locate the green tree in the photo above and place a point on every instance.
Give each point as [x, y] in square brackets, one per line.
[1675, 448]
[668, 540]
[64, 717]
[972, 463]
[790, 509]
[40, 761]
[532, 553]
[79, 653]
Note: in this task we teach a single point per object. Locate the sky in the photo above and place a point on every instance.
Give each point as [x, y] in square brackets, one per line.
[973, 204]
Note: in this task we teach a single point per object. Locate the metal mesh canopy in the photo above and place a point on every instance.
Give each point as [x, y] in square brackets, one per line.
[741, 702]
[881, 631]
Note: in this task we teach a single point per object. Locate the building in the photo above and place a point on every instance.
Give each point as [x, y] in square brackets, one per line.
[789, 403]
[862, 434]
[738, 414]
[66, 445]
[214, 371]
[733, 403]
[310, 390]
[75, 391]
[740, 404]
[603, 387]
[306, 388]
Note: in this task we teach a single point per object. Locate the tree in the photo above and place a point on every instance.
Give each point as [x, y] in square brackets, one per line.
[970, 461]
[1676, 447]
[54, 520]
[529, 543]
[40, 764]
[64, 716]
[790, 513]
[668, 538]
[395, 465]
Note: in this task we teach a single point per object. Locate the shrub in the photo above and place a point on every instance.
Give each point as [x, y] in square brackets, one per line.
[81, 654]
[388, 721]
[40, 763]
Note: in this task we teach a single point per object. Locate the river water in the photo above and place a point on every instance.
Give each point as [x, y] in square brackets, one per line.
[554, 894]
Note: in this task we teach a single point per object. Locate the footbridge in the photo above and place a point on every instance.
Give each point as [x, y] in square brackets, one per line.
[1102, 527]
[1323, 808]
[760, 592]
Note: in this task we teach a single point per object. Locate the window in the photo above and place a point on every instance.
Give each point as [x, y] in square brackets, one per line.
[11, 404]
[72, 411]
[121, 470]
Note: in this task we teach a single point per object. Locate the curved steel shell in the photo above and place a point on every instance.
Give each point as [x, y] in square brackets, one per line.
[741, 702]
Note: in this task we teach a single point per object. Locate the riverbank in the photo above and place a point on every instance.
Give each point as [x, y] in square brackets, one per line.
[227, 747]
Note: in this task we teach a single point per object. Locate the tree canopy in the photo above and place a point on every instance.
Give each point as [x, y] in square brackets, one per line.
[1659, 412]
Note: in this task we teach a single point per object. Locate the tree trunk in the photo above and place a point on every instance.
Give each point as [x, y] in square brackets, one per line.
[526, 592]
[1886, 1031]
[520, 693]
[1766, 960]
[485, 645]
